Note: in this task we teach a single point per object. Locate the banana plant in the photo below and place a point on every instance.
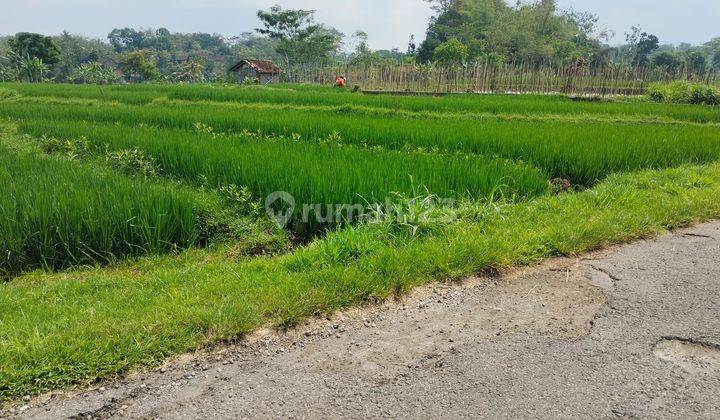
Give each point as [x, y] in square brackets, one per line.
[30, 68]
[94, 73]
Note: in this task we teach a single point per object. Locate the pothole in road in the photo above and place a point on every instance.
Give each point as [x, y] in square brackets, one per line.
[691, 355]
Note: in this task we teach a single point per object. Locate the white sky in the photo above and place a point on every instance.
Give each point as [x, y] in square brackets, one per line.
[389, 23]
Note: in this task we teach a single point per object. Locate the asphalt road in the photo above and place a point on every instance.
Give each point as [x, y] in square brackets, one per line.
[628, 332]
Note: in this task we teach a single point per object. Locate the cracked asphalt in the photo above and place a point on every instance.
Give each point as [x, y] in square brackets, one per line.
[630, 332]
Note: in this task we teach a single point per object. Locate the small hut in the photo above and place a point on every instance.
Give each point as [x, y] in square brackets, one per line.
[263, 71]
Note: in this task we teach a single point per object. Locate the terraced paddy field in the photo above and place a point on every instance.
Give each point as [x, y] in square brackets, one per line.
[142, 221]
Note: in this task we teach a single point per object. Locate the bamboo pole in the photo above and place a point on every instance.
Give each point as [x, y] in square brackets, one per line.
[488, 77]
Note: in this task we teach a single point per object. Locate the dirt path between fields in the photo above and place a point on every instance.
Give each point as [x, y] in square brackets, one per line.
[628, 332]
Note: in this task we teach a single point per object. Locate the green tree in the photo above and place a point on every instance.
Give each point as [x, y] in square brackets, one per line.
[127, 39]
[358, 51]
[162, 40]
[440, 6]
[697, 62]
[527, 32]
[212, 50]
[139, 65]
[641, 46]
[8, 71]
[321, 47]
[250, 45]
[451, 52]
[30, 45]
[715, 61]
[77, 50]
[172, 51]
[300, 40]
[713, 49]
[669, 60]
[31, 69]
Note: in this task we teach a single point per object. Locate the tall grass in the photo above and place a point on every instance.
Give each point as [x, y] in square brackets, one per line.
[55, 213]
[582, 152]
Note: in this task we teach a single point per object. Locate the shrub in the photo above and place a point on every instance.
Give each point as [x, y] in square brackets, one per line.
[704, 94]
[684, 92]
[132, 162]
[451, 52]
[72, 148]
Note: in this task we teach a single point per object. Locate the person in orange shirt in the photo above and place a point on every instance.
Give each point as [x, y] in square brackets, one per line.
[340, 81]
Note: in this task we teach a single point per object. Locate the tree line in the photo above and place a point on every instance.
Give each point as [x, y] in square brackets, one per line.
[460, 33]
[288, 37]
[539, 33]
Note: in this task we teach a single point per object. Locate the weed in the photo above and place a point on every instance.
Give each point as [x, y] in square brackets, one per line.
[132, 162]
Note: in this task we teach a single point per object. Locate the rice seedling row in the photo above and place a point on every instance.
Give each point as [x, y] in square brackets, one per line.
[55, 213]
[313, 95]
[581, 152]
[459, 103]
[311, 173]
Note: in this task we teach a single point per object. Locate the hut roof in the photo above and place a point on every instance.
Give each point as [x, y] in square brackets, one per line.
[260, 66]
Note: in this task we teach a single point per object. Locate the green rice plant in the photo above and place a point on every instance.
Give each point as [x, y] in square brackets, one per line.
[7, 94]
[325, 96]
[456, 103]
[132, 94]
[311, 173]
[580, 152]
[55, 213]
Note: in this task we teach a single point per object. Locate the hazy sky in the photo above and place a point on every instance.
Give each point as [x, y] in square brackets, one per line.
[388, 22]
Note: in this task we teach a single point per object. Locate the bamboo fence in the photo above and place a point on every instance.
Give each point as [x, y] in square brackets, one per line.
[486, 77]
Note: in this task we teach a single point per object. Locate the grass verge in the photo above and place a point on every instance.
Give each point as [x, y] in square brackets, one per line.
[78, 327]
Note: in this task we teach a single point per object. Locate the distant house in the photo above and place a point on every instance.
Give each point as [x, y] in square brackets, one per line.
[263, 71]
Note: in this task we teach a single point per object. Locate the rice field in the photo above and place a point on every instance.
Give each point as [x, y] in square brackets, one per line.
[581, 151]
[320, 145]
[311, 172]
[162, 190]
[56, 214]
[309, 95]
